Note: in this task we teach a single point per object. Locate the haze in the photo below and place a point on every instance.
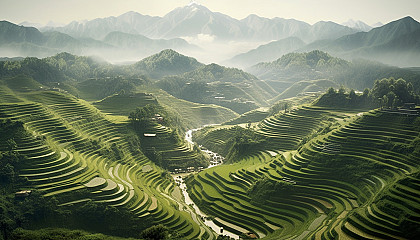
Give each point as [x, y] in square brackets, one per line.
[371, 12]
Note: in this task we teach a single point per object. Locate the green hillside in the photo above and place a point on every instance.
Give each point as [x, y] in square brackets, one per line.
[167, 62]
[305, 87]
[357, 74]
[123, 104]
[295, 186]
[215, 84]
[101, 148]
[74, 154]
[312, 65]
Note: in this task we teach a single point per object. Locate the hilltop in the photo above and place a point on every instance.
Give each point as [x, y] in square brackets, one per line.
[166, 62]
[316, 64]
[228, 87]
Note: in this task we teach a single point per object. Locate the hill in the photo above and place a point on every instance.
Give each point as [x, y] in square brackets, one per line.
[358, 74]
[276, 193]
[215, 84]
[94, 165]
[266, 53]
[119, 157]
[305, 87]
[315, 64]
[166, 62]
[92, 168]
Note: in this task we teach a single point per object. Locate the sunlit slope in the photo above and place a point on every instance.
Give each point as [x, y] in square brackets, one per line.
[123, 104]
[167, 149]
[250, 117]
[350, 179]
[193, 115]
[73, 147]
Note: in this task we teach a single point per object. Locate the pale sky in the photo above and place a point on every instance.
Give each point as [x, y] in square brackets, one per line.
[311, 11]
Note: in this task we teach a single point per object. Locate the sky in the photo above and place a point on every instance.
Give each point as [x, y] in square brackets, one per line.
[311, 11]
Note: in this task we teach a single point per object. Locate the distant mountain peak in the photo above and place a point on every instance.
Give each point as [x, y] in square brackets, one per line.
[358, 25]
[378, 24]
[193, 3]
[130, 13]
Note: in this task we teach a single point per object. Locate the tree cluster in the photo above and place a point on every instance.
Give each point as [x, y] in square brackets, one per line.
[394, 93]
[387, 92]
[243, 141]
[265, 189]
[343, 99]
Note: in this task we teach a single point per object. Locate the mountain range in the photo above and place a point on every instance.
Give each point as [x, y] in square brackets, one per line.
[28, 41]
[194, 19]
[133, 36]
[396, 43]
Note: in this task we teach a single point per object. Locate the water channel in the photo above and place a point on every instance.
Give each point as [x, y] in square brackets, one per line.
[216, 159]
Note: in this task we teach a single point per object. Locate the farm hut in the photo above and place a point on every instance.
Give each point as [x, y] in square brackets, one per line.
[23, 194]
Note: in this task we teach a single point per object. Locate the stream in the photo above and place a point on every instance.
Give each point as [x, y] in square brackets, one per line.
[216, 159]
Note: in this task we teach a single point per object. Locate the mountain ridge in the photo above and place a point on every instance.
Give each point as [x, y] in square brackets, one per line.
[395, 43]
[196, 19]
[28, 41]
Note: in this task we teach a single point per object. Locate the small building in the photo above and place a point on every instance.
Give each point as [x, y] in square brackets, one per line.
[23, 194]
[149, 134]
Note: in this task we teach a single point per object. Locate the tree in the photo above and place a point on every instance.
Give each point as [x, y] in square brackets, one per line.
[352, 94]
[157, 232]
[391, 96]
[366, 92]
[6, 225]
[331, 91]
[385, 101]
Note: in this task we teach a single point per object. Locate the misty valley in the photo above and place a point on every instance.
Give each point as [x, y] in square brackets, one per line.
[197, 125]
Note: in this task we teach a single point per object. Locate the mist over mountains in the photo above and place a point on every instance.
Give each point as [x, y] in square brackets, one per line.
[209, 36]
[194, 19]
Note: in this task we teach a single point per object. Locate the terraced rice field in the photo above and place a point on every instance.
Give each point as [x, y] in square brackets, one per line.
[160, 139]
[249, 117]
[72, 146]
[340, 184]
[123, 104]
